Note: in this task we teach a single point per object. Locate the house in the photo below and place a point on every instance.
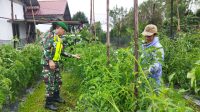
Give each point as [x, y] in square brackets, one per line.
[20, 17]
[49, 10]
[11, 10]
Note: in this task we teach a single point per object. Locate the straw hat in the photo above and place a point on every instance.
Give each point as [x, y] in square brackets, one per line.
[150, 30]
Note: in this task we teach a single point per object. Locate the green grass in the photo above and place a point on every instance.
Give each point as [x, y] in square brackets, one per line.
[69, 91]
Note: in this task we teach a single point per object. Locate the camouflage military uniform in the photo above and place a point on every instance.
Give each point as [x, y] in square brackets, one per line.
[52, 78]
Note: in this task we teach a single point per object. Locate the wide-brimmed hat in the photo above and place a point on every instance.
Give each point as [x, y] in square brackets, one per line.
[150, 30]
[62, 24]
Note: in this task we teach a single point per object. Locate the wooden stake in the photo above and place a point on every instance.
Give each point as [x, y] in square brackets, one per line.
[171, 27]
[91, 14]
[178, 17]
[108, 35]
[136, 42]
[94, 22]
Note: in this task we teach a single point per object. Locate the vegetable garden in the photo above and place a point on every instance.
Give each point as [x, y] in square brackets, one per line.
[90, 84]
[110, 88]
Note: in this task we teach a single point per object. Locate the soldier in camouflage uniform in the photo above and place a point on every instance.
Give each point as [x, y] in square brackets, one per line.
[53, 49]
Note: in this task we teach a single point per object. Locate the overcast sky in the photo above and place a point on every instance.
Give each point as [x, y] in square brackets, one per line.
[100, 9]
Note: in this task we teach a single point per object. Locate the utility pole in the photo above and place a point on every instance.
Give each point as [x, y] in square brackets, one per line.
[108, 35]
[136, 43]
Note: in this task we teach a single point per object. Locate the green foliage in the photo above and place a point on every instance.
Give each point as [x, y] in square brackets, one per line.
[101, 35]
[86, 35]
[188, 24]
[151, 12]
[180, 57]
[79, 16]
[19, 69]
[119, 34]
[194, 76]
[71, 39]
[110, 88]
[100, 88]
[198, 13]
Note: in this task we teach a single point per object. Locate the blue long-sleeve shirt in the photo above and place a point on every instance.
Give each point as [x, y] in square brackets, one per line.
[153, 56]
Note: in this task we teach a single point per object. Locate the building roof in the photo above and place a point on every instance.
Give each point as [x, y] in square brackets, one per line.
[49, 10]
[55, 7]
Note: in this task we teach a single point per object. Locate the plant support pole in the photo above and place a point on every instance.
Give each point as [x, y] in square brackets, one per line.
[108, 35]
[90, 12]
[136, 42]
[91, 16]
[178, 16]
[94, 22]
[171, 26]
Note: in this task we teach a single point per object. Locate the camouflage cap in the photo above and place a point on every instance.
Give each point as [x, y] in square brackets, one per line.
[63, 25]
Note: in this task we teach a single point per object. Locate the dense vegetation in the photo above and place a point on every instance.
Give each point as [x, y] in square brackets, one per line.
[182, 56]
[19, 70]
[102, 87]
[111, 88]
[92, 85]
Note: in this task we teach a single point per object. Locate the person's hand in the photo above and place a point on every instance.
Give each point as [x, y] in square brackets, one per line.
[77, 56]
[52, 65]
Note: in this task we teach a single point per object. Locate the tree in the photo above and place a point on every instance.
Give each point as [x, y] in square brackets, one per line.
[80, 16]
[198, 13]
[117, 21]
[151, 12]
[117, 14]
[99, 32]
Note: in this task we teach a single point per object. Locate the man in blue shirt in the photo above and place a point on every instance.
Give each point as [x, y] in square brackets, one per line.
[153, 53]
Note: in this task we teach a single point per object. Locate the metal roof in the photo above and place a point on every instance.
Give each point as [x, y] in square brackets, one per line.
[49, 10]
[48, 7]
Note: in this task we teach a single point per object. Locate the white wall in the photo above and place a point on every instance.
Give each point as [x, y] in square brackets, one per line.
[6, 32]
[5, 8]
[43, 27]
[18, 10]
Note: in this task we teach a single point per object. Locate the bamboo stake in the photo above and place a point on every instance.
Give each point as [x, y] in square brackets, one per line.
[178, 16]
[108, 35]
[136, 42]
